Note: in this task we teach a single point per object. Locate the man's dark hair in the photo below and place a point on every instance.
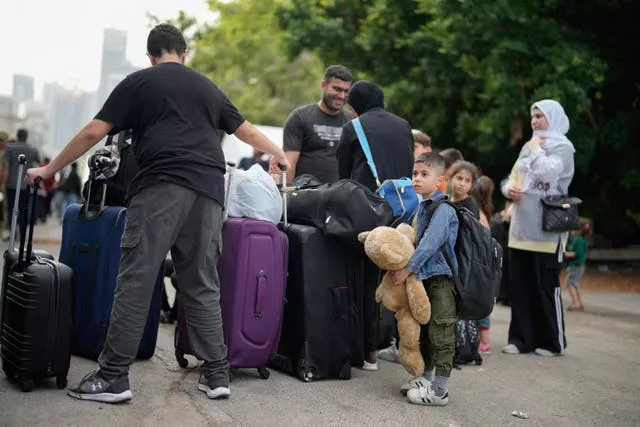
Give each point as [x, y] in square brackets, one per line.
[451, 155]
[338, 72]
[165, 38]
[434, 161]
[22, 135]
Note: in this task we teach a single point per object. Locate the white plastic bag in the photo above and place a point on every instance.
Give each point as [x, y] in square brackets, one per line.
[254, 194]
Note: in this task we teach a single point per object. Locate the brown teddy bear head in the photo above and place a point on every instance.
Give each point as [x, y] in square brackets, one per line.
[389, 248]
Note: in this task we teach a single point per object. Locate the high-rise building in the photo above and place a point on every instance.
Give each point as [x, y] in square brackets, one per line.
[114, 48]
[7, 115]
[22, 88]
[67, 110]
[115, 66]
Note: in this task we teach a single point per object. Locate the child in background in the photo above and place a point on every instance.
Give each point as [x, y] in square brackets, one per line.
[421, 143]
[482, 193]
[576, 256]
[463, 176]
[450, 155]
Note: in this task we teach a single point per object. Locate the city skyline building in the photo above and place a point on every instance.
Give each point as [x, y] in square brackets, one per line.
[23, 88]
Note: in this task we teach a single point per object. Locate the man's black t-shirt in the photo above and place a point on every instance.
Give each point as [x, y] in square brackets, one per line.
[176, 115]
[315, 134]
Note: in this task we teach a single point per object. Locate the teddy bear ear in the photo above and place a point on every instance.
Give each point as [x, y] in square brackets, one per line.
[390, 255]
[407, 231]
[363, 236]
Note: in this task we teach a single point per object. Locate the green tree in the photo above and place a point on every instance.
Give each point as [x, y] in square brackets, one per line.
[243, 53]
[467, 72]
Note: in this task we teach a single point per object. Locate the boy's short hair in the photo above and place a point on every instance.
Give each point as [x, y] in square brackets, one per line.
[464, 165]
[338, 72]
[422, 139]
[433, 160]
[451, 155]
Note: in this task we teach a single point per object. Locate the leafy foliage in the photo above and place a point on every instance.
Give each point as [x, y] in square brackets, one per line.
[467, 72]
[243, 53]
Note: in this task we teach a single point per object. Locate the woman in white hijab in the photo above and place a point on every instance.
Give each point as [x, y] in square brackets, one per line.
[544, 167]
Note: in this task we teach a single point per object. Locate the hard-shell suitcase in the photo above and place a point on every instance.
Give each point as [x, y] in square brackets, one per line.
[35, 332]
[91, 235]
[316, 340]
[10, 256]
[252, 270]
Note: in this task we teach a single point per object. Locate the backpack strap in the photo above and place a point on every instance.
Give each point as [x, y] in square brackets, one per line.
[364, 144]
[443, 248]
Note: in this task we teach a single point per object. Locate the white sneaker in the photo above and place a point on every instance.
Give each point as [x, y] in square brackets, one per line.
[366, 366]
[390, 354]
[424, 395]
[510, 349]
[546, 353]
[413, 384]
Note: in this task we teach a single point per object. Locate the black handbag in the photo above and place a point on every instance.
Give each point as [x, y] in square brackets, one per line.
[560, 213]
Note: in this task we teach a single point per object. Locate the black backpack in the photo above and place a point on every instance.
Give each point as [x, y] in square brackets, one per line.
[117, 179]
[479, 258]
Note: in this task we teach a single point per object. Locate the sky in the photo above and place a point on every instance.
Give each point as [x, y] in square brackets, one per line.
[61, 40]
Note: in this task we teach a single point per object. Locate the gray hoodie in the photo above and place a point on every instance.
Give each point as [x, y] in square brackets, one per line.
[541, 171]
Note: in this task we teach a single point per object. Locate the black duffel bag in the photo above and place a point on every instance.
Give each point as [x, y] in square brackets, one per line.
[342, 209]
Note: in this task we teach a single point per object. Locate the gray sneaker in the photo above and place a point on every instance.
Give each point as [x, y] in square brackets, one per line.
[390, 354]
[94, 387]
[214, 387]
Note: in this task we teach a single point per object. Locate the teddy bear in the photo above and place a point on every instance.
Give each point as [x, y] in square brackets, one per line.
[390, 249]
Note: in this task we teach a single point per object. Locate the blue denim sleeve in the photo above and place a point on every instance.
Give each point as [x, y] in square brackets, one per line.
[434, 237]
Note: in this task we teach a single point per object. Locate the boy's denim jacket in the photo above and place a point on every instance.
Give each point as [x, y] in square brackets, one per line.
[427, 261]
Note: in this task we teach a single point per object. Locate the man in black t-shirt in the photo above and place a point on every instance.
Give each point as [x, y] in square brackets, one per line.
[175, 203]
[312, 132]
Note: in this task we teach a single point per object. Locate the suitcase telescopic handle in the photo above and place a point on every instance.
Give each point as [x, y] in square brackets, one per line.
[23, 261]
[22, 160]
[231, 167]
[32, 223]
[285, 218]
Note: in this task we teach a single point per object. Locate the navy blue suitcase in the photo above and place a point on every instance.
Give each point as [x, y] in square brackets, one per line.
[91, 247]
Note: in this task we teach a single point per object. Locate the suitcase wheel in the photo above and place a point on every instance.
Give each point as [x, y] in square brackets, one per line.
[61, 382]
[182, 362]
[306, 374]
[264, 373]
[26, 385]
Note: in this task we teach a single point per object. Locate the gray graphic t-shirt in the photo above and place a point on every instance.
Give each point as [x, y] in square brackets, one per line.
[315, 135]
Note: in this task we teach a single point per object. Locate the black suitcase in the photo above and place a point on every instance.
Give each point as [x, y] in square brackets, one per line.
[10, 256]
[35, 333]
[316, 338]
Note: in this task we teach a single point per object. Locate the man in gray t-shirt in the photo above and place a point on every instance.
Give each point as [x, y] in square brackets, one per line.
[312, 132]
[10, 170]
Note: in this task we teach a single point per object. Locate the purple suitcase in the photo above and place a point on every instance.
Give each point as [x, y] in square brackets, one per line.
[252, 270]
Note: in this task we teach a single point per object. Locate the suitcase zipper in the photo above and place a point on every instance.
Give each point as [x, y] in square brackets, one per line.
[52, 320]
[57, 285]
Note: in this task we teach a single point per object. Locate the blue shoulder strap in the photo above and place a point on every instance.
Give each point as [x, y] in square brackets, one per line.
[364, 143]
